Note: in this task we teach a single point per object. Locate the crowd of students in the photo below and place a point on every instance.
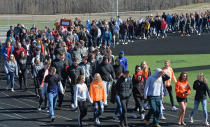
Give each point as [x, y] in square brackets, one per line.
[80, 58]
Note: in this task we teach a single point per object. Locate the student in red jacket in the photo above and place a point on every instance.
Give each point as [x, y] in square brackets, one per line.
[163, 28]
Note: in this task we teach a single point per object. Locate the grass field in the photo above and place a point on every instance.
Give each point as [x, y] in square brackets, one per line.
[178, 61]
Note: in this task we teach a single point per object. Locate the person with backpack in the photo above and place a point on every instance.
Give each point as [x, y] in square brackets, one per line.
[202, 90]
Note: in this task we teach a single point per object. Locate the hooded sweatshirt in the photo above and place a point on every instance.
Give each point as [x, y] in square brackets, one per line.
[97, 92]
[154, 85]
[182, 87]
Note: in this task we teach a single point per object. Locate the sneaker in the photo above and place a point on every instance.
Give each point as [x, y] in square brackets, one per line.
[206, 123]
[123, 43]
[52, 119]
[174, 108]
[132, 41]
[146, 122]
[142, 117]
[163, 107]
[98, 123]
[134, 115]
[163, 118]
[117, 43]
[126, 43]
[12, 90]
[156, 125]
[39, 109]
[115, 117]
[191, 119]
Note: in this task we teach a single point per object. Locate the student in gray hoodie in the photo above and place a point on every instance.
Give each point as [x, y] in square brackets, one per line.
[11, 69]
[153, 91]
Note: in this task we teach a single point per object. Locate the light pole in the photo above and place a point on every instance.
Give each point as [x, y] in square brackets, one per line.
[117, 11]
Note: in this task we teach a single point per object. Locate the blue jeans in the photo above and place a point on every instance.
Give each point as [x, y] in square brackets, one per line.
[98, 109]
[119, 106]
[204, 105]
[11, 78]
[155, 103]
[52, 99]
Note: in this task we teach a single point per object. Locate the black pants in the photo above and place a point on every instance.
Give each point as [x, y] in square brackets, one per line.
[123, 117]
[139, 103]
[23, 79]
[60, 95]
[169, 89]
[82, 111]
[37, 85]
[72, 92]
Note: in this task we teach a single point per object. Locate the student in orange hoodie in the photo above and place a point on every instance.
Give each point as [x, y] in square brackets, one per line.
[98, 96]
[182, 89]
[169, 71]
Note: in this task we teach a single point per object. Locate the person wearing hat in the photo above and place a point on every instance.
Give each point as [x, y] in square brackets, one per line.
[105, 69]
[123, 60]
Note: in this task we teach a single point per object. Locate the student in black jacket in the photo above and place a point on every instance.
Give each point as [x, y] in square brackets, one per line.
[22, 70]
[201, 88]
[139, 82]
[124, 88]
[60, 63]
[107, 73]
[73, 73]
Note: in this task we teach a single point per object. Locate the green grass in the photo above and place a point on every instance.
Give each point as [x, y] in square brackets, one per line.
[28, 23]
[192, 6]
[177, 61]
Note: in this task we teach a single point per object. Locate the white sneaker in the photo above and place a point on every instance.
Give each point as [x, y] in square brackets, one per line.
[12, 90]
[39, 109]
[163, 107]
[134, 115]
[174, 108]
[142, 117]
[162, 117]
[115, 117]
[191, 119]
[206, 123]
[98, 123]
[132, 41]
[126, 43]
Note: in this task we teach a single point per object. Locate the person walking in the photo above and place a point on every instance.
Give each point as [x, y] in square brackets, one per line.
[98, 96]
[81, 94]
[182, 89]
[124, 88]
[153, 91]
[11, 70]
[169, 71]
[201, 88]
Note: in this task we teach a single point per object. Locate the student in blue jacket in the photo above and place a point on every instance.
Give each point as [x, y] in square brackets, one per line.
[123, 60]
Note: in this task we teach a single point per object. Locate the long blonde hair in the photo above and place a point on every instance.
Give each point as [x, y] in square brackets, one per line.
[13, 60]
[146, 69]
[203, 76]
[98, 76]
